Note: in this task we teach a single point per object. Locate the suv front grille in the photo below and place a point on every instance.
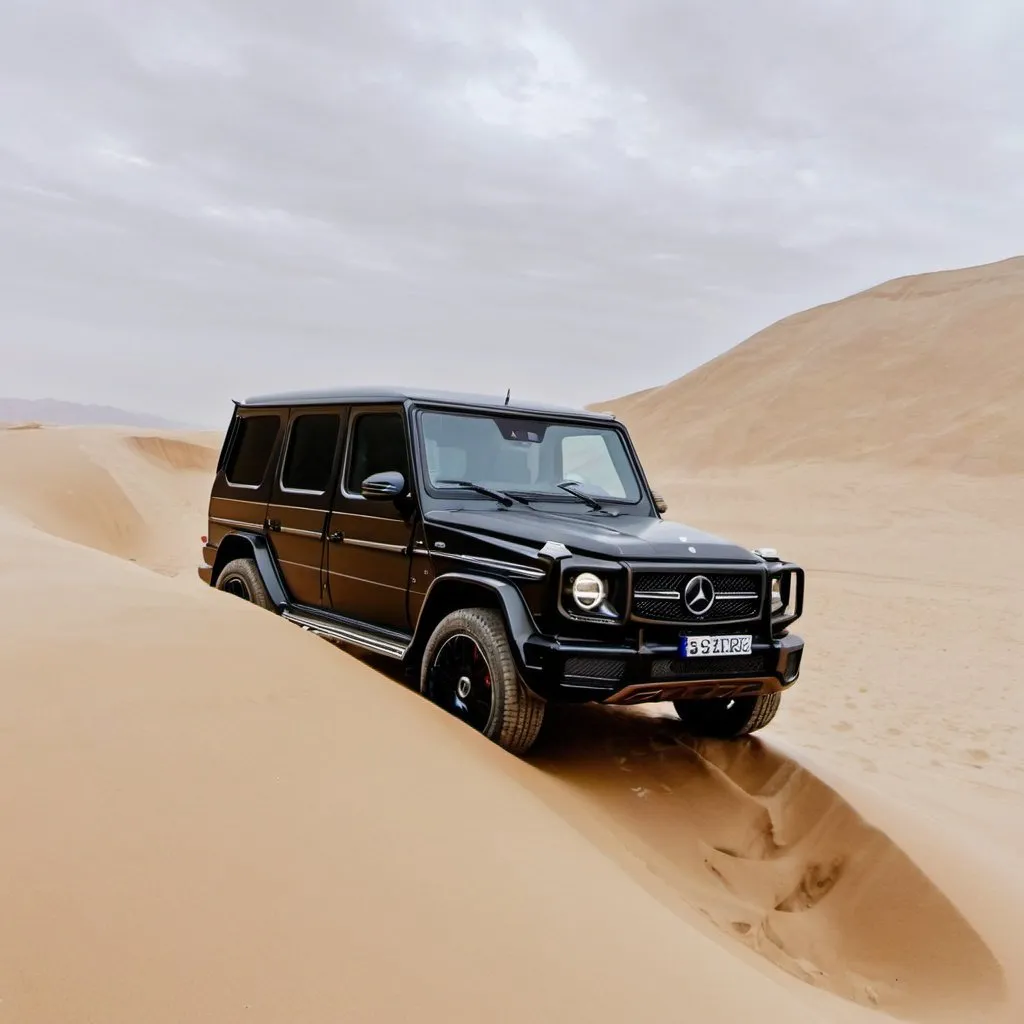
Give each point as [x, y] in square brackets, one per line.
[658, 596]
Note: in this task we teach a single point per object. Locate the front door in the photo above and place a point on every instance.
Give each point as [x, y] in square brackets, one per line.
[299, 502]
[368, 556]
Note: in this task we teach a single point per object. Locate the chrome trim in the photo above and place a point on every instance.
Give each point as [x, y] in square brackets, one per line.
[699, 567]
[296, 532]
[674, 595]
[515, 568]
[241, 524]
[360, 515]
[555, 549]
[376, 545]
[332, 631]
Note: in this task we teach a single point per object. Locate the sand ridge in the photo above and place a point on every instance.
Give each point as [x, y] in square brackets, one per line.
[924, 371]
[134, 494]
[212, 833]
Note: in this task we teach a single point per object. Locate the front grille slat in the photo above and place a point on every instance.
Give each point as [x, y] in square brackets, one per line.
[745, 603]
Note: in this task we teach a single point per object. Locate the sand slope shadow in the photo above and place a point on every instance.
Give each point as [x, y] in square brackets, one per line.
[776, 859]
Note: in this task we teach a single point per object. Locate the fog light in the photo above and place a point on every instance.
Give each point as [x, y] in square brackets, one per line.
[588, 591]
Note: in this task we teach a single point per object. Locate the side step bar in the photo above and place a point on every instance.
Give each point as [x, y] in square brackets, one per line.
[346, 634]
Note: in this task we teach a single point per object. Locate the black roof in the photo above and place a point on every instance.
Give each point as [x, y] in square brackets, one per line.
[351, 396]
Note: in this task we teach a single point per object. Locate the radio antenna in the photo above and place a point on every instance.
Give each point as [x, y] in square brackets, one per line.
[508, 395]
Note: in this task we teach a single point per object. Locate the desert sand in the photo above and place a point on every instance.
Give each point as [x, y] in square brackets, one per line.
[209, 815]
[924, 371]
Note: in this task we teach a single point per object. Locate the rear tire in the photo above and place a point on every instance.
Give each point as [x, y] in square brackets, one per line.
[242, 579]
[468, 670]
[727, 718]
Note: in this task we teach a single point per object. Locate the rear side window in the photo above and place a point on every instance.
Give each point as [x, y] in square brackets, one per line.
[310, 457]
[250, 453]
[378, 445]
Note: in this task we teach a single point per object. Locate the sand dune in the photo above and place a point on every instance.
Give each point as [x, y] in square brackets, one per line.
[139, 496]
[923, 371]
[211, 815]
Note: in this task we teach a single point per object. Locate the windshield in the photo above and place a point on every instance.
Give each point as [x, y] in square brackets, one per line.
[527, 456]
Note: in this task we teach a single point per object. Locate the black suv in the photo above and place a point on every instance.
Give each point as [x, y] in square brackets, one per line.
[507, 555]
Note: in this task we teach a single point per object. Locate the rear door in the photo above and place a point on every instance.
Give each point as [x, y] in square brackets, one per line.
[368, 553]
[301, 497]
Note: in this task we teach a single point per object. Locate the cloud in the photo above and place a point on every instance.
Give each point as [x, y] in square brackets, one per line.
[571, 199]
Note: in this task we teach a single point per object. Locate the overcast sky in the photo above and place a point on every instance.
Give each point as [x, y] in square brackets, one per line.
[578, 198]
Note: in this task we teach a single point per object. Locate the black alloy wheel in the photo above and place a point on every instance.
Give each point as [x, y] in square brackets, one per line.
[460, 681]
[469, 670]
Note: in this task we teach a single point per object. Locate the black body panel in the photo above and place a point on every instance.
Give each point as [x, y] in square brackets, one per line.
[621, 536]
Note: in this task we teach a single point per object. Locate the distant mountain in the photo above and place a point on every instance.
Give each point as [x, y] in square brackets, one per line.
[74, 414]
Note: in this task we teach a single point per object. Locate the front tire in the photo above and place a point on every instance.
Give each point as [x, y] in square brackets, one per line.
[242, 579]
[727, 718]
[468, 670]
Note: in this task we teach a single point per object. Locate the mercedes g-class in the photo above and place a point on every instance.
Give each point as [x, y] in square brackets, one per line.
[508, 555]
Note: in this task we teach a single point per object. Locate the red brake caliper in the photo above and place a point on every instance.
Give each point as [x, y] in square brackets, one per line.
[487, 675]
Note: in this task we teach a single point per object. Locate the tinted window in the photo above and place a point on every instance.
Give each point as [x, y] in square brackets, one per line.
[251, 450]
[310, 458]
[378, 445]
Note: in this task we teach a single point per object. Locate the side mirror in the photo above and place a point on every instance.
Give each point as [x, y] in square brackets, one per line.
[659, 503]
[383, 486]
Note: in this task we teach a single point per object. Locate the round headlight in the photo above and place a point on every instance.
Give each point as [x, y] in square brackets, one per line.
[776, 594]
[588, 591]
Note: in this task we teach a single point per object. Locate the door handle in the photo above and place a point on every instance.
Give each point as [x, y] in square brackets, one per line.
[336, 538]
[274, 525]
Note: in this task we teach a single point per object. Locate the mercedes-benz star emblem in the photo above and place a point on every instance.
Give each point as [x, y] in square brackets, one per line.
[699, 595]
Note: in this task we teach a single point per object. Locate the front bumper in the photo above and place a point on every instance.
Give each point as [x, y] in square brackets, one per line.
[575, 672]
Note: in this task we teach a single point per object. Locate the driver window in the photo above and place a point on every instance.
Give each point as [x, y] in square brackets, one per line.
[378, 446]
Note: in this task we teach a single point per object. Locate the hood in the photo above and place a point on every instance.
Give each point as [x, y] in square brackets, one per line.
[619, 537]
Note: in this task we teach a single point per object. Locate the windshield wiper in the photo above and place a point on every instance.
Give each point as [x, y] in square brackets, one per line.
[499, 496]
[570, 487]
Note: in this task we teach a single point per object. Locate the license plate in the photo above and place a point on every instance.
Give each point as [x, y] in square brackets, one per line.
[714, 646]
